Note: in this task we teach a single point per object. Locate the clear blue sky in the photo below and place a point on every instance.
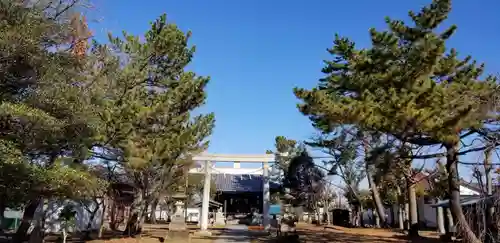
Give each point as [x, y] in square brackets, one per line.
[256, 51]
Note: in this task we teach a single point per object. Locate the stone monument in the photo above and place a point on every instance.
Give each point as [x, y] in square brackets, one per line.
[287, 227]
[177, 229]
[219, 217]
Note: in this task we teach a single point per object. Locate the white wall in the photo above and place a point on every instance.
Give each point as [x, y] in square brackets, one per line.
[53, 208]
[429, 213]
[467, 191]
[161, 214]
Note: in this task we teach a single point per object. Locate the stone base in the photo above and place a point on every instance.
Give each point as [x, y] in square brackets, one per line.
[178, 223]
[204, 233]
[177, 226]
[220, 219]
[178, 235]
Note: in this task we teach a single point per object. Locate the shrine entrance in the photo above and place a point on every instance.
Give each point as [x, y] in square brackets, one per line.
[231, 183]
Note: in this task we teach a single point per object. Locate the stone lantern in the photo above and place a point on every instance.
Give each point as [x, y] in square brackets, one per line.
[177, 227]
[287, 224]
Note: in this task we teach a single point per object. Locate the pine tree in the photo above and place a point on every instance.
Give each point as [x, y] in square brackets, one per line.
[45, 116]
[345, 163]
[147, 112]
[285, 150]
[304, 179]
[409, 85]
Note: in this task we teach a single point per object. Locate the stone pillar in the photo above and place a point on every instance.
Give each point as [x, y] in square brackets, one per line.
[206, 197]
[440, 220]
[265, 196]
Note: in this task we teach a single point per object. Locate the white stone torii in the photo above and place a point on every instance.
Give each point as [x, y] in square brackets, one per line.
[265, 159]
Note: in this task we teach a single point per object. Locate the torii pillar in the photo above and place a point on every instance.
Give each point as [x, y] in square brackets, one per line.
[206, 197]
[265, 196]
[208, 158]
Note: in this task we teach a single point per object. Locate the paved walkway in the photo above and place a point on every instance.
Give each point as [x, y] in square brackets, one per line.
[234, 233]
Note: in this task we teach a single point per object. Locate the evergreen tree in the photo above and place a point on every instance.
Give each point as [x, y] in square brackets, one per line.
[345, 163]
[45, 115]
[304, 179]
[409, 85]
[147, 112]
[285, 150]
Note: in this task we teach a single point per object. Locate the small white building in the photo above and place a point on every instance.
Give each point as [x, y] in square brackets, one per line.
[49, 212]
[428, 214]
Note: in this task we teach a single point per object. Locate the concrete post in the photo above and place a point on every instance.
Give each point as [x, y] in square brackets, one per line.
[265, 196]
[440, 220]
[206, 197]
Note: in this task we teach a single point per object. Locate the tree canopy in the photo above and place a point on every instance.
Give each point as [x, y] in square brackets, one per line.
[69, 108]
[408, 85]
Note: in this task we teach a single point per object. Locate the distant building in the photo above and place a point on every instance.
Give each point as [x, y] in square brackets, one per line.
[239, 189]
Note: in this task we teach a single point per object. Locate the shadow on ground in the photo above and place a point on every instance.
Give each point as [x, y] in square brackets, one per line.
[317, 236]
[154, 233]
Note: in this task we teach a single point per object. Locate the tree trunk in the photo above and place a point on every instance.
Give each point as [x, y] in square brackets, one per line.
[2, 211]
[327, 212]
[132, 223]
[361, 216]
[136, 211]
[450, 225]
[491, 226]
[377, 219]
[353, 216]
[407, 216]
[317, 215]
[393, 217]
[401, 223]
[103, 217]
[412, 197]
[37, 235]
[454, 189]
[113, 224]
[379, 206]
[65, 235]
[152, 215]
[440, 219]
[88, 229]
[401, 220]
[142, 217]
[28, 215]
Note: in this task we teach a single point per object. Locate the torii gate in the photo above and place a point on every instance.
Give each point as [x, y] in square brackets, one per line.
[264, 159]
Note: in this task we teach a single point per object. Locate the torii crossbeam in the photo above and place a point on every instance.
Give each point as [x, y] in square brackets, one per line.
[207, 158]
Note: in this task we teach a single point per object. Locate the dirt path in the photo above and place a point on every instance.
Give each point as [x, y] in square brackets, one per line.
[234, 233]
[320, 234]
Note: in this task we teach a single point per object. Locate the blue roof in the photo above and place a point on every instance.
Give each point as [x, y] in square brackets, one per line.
[241, 183]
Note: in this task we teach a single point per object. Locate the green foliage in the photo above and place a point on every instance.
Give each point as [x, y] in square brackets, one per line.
[365, 199]
[16, 176]
[304, 179]
[408, 84]
[285, 150]
[145, 106]
[438, 184]
[342, 146]
[130, 102]
[195, 185]
[67, 216]
[45, 116]
[151, 102]
[67, 213]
